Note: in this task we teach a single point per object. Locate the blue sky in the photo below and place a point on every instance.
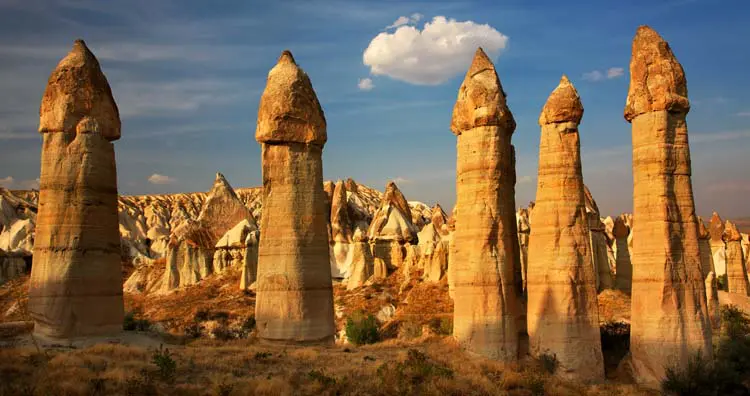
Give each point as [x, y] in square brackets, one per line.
[187, 77]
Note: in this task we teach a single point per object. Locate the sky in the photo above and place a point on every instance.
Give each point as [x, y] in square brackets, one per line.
[187, 77]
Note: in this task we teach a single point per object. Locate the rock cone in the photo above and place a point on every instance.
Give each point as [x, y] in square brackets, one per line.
[624, 275]
[485, 278]
[736, 269]
[562, 316]
[669, 319]
[76, 279]
[294, 293]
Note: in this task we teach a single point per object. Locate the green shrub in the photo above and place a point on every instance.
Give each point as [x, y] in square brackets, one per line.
[442, 326]
[410, 329]
[409, 377]
[548, 362]
[722, 282]
[695, 380]
[164, 363]
[362, 330]
[131, 323]
[320, 376]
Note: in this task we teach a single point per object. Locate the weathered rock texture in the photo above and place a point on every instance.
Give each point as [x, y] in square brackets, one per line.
[362, 262]
[341, 231]
[76, 283]
[736, 271]
[669, 318]
[718, 247]
[391, 228]
[624, 274]
[486, 278]
[524, 230]
[599, 245]
[563, 318]
[709, 273]
[294, 294]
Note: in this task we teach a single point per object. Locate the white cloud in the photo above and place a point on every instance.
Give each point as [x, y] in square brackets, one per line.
[718, 136]
[401, 180]
[365, 84]
[160, 179]
[609, 74]
[614, 72]
[433, 55]
[7, 182]
[525, 179]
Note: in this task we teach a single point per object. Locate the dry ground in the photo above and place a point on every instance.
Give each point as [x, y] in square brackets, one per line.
[426, 366]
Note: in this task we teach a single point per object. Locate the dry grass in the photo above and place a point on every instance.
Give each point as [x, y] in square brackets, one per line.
[431, 367]
[614, 306]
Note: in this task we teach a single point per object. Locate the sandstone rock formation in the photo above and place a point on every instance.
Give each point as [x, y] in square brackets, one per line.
[669, 318]
[193, 244]
[718, 247]
[737, 281]
[294, 292]
[391, 228]
[524, 230]
[563, 318]
[362, 262]
[709, 273]
[486, 275]
[76, 283]
[250, 260]
[624, 267]
[12, 266]
[341, 231]
[600, 251]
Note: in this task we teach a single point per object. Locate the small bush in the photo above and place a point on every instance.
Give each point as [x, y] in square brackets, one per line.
[97, 386]
[201, 315]
[131, 323]
[223, 332]
[249, 324]
[362, 330]
[548, 362]
[442, 326]
[262, 355]
[142, 385]
[695, 380]
[322, 378]
[721, 280]
[164, 363]
[410, 329]
[409, 376]
[193, 330]
[224, 389]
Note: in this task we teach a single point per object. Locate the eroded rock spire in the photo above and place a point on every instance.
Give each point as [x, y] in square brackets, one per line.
[294, 293]
[669, 319]
[486, 275]
[562, 316]
[76, 279]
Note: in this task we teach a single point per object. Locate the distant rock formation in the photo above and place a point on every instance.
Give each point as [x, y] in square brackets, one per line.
[362, 262]
[193, 248]
[709, 273]
[623, 266]
[600, 251]
[76, 280]
[669, 319]
[294, 292]
[737, 281]
[486, 277]
[718, 247]
[391, 228]
[563, 318]
[524, 230]
[341, 232]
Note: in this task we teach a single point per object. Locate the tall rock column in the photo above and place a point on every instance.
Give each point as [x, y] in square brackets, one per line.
[76, 279]
[294, 292]
[669, 318]
[563, 317]
[486, 269]
[717, 244]
[737, 281]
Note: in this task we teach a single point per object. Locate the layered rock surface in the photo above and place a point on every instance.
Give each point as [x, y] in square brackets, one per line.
[737, 281]
[486, 276]
[294, 295]
[76, 281]
[562, 313]
[669, 318]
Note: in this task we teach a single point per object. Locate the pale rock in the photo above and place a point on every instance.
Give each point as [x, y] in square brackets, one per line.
[294, 301]
[362, 262]
[718, 247]
[669, 314]
[487, 289]
[563, 318]
[624, 267]
[76, 281]
[737, 281]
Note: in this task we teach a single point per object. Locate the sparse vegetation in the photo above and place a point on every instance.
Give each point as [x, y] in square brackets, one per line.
[548, 362]
[722, 282]
[729, 371]
[133, 323]
[442, 325]
[361, 329]
[165, 364]
[410, 376]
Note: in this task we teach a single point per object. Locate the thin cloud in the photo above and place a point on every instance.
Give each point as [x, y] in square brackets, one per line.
[7, 182]
[525, 179]
[365, 84]
[609, 74]
[401, 180]
[718, 136]
[405, 20]
[10, 182]
[160, 179]
[743, 114]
